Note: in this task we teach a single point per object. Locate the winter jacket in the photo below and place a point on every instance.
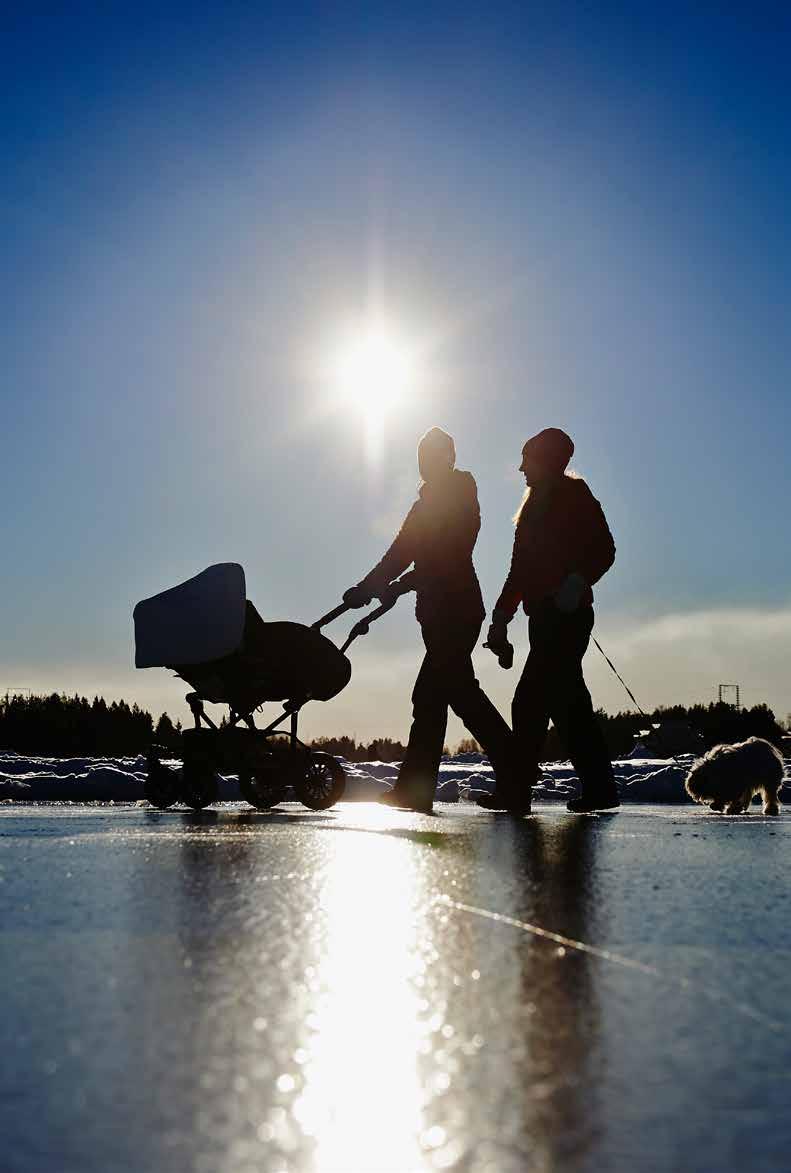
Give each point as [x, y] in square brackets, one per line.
[556, 535]
[438, 535]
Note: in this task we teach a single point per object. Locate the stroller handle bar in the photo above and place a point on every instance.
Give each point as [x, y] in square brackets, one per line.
[363, 625]
[328, 618]
[396, 589]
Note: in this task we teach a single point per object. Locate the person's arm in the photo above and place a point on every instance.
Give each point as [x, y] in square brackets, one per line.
[511, 594]
[398, 557]
[504, 610]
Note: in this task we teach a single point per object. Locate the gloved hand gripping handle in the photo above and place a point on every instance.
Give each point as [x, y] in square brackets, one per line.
[363, 625]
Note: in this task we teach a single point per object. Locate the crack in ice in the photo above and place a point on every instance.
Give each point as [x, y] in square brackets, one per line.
[614, 958]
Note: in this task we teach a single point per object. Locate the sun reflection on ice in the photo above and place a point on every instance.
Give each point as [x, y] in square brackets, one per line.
[361, 1099]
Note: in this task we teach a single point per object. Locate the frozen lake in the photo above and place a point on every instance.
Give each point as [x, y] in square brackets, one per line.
[366, 990]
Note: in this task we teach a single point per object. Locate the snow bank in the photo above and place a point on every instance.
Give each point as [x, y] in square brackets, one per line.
[81, 779]
[99, 779]
[462, 778]
[29, 779]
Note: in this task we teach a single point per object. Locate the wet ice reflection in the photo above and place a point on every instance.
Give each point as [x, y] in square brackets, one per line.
[239, 993]
[361, 1097]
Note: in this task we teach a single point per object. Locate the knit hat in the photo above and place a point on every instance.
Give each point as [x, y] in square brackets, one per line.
[551, 448]
[437, 446]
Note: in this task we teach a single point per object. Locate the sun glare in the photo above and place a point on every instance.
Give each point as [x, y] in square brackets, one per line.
[375, 373]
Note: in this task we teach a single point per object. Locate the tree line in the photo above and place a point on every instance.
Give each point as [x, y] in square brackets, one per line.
[714, 723]
[73, 726]
[708, 725]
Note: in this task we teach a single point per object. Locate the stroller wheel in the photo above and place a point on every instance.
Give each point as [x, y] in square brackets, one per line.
[322, 782]
[263, 789]
[198, 784]
[162, 785]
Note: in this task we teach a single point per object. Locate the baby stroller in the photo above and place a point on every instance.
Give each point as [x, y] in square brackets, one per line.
[211, 635]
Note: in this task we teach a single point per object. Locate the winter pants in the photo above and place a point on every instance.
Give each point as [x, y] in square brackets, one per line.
[447, 679]
[553, 688]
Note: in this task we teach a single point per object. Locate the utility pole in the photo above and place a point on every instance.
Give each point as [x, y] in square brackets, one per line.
[732, 688]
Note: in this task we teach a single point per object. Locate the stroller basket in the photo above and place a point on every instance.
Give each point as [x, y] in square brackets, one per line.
[274, 662]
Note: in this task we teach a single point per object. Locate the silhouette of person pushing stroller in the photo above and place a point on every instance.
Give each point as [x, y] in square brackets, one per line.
[438, 535]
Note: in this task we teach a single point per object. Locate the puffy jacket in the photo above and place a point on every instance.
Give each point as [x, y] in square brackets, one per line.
[564, 532]
[438, 535]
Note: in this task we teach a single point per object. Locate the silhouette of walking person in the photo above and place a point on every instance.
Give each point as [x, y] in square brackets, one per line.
[562, 547]
[438, 535]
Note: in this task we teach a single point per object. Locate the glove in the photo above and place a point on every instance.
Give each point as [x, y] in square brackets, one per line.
[497, 640]
[569, 596]
[390, 595]
[357, 596]
[496, 636]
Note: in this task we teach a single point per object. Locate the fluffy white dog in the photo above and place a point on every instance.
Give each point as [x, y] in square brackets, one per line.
[729, 775]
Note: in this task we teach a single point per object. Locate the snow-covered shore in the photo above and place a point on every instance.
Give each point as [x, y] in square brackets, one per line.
[36, 779]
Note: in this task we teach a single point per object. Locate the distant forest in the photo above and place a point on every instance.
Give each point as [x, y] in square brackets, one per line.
[64, 726]
[713, 723]
[73, 726]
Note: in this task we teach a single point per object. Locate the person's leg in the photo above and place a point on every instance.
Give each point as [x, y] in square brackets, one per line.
[530, 706]
[571, 708]
[417, 777]
[471, 704]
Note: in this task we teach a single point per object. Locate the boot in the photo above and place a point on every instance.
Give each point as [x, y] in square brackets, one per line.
[404, 800]
[514, 804]
[595, 798]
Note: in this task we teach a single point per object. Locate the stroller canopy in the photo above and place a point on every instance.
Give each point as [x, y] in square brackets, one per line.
[213, 637]
[200, 620]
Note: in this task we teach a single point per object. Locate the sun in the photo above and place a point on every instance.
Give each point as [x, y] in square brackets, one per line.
[375, 372]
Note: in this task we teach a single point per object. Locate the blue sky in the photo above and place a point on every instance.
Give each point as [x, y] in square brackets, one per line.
[580, 213]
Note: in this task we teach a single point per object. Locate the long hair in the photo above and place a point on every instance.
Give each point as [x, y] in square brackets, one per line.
[522, 506]
[570, 474]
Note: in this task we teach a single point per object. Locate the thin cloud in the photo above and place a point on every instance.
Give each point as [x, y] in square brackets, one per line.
[676, 658]
[684, 656]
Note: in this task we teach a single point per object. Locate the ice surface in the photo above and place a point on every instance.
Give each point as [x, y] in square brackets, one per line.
[373, 990]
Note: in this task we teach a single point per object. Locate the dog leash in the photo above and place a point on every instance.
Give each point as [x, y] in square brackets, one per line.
[632, 697]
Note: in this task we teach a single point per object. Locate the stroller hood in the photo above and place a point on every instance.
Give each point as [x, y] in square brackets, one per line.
[200, 620]
[213, 637]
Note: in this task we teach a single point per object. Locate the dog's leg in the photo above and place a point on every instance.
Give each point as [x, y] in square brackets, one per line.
[718, 805]
[734, 807]
[771, 806]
